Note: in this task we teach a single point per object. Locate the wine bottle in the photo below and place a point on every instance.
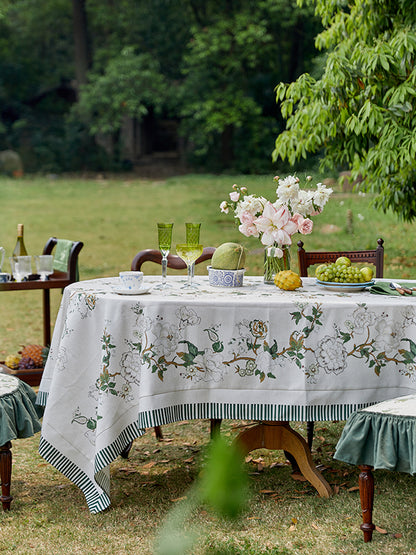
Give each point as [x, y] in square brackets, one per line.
[19, 249]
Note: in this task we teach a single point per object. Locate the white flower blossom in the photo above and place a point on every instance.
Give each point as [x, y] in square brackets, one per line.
[250, 203]
[166, 339]
[321, 195]
[207, 367]
[331, 355]
[224, 207]
[363, 318]
[288, 189]
[303, 204]
[264, 362]
[187, 317]
[130, 366]
[144, 324]
[389, 336]
[409, 314]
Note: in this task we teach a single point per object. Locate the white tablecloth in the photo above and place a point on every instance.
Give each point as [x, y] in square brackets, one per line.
[119, 364]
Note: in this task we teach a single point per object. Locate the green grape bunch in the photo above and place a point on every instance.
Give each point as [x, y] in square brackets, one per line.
[342, 271]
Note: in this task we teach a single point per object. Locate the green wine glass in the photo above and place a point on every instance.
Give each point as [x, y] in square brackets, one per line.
[192, 233]
[164, 232]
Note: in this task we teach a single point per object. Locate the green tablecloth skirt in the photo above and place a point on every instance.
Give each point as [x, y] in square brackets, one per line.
[385, 441]
[19, 416]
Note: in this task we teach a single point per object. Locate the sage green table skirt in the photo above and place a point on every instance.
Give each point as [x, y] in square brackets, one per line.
[381, 436]
[19, 415]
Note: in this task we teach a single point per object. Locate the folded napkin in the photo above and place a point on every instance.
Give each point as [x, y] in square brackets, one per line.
[383, 288]
[61, 256]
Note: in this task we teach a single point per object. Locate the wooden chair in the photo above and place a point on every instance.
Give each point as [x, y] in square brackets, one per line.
[72, 270]
[175, 262]
[310, 258]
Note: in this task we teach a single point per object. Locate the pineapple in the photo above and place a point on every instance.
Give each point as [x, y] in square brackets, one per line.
[35, 354]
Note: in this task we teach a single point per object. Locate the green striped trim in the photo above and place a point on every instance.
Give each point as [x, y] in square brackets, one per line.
[233, 411]
[110, 453]
[96, 501]
[41, 398]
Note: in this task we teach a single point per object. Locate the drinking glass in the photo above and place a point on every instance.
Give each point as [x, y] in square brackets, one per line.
[192, 238]
[21, 267]
[164, 232]
[44, 265]
[189, 253]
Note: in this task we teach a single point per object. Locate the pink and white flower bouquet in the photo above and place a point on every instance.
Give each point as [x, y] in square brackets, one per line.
[274, 223]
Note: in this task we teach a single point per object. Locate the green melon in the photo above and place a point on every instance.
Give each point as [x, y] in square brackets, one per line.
[229, 256]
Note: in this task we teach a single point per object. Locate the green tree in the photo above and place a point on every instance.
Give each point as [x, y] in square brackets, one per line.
[361, 113]
[237, 51]
[209, 64]
[130, 85]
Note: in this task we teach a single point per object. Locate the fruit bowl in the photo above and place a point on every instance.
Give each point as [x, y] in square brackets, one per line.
[225, 278]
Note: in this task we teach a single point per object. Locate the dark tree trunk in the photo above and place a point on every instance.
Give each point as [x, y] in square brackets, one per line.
[227, 146]
[296, 53]
[81, 42]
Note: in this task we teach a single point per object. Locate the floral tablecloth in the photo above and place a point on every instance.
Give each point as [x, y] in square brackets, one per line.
[119, 364]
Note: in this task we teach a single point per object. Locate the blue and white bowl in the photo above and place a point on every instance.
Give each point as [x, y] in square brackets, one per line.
[225, 278]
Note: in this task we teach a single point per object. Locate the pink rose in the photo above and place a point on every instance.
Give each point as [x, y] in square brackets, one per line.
[234, 196]
[305, 225]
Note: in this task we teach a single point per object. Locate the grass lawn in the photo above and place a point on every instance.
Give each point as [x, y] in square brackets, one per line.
[115, 218]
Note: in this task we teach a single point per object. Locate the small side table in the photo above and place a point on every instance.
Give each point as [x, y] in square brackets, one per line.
[19, 418]
[380, 436]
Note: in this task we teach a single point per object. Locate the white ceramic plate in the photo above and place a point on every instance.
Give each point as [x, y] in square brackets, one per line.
[345, 287]
[140, 291]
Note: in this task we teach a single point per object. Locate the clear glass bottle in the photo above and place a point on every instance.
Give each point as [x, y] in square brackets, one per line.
[19, 249]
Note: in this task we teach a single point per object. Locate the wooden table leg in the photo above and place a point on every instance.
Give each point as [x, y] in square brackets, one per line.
[46, 317]
[279, 435]
[6, 474]
[366, 485]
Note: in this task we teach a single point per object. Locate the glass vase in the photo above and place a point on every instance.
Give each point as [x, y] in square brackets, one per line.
[274, 264]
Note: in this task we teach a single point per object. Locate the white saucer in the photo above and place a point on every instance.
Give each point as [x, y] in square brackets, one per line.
[140, 291]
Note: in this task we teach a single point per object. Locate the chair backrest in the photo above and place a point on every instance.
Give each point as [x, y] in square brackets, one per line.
[174, 261]
[72, 268]
[309, 258]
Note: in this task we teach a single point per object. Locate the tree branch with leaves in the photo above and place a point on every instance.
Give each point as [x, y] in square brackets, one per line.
[361, 113]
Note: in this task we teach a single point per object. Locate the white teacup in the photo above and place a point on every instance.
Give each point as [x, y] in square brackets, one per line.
[131, 280]
[4, 277]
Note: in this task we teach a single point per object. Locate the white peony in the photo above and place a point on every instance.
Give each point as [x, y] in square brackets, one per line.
[303, 204]
[288, 189]
[253, 205]
[321, 196]
[331, 355]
